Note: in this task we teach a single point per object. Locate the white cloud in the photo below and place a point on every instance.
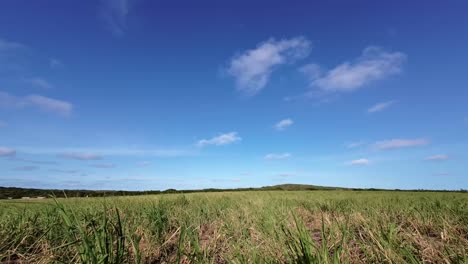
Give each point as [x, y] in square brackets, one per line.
[283, 124]
[380, 106]
[252, 69]
[359, 162]
[114, 14]
[36, 101]
[104, 165]
[7, 152]
[400, 143]
[355, 144]
[49, 104]
[374, 64]
[81, 156]
[277, 156]
[223, 139]
[40, 82]
[439, 157]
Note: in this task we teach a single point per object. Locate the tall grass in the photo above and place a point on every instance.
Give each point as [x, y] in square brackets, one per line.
[239, 227]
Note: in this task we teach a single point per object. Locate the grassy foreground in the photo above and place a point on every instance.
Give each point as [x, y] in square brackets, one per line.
[239, 227]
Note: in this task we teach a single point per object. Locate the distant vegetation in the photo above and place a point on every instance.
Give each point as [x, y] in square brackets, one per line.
[17, 193]
[321, 226]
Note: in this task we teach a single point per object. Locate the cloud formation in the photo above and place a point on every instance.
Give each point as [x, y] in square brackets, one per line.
[359, 162]
[277, 156]
[380, 106]
[34, 161]
[439, 157]
[252, 68]
[400, 143]
[114, 14]
[7, 152]
[80, 156]
[283, 124]
[223, 139]
[40, 82]
[6, 45]
[40, 102]
[355, 144]
[104, 165]
[10, 55]
[374, 64]
[64, 171]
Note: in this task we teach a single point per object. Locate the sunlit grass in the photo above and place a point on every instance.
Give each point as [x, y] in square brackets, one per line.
[239, 227]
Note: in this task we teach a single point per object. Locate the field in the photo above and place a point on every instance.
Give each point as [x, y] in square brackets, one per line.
[239, 227]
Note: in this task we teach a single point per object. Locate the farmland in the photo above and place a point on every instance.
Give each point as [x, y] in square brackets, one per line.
[322, 226]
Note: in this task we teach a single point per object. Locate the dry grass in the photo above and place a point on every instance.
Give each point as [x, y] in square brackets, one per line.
[239, 227]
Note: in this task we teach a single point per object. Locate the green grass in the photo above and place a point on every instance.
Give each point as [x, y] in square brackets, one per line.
[239, 227]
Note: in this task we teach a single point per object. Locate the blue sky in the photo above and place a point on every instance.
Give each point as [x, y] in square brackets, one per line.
[138, 94]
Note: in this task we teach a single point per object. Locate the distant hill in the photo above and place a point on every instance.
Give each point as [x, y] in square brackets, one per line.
[297, 187]
[18, 193]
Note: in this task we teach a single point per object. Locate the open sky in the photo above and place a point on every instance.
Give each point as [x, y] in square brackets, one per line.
[139, 94]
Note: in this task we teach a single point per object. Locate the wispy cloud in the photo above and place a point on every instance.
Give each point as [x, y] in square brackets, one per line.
[359, 162]
[74, 153]
[144, 163]
[355, 144]
[400, 143]
[287, 174]
[223, 139]
[81, 156]
[39, 82]
[7, 152]
[277, 156]
[252, 68]
[64, 171]
[283, 124]
[26, 168]
[374, 64]
[36, 101]
[114, 14]
[104, 165]
[55, 63]
[6, 45]
[43, 162]
[439, 157]
[10, 55]
[380, 106]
